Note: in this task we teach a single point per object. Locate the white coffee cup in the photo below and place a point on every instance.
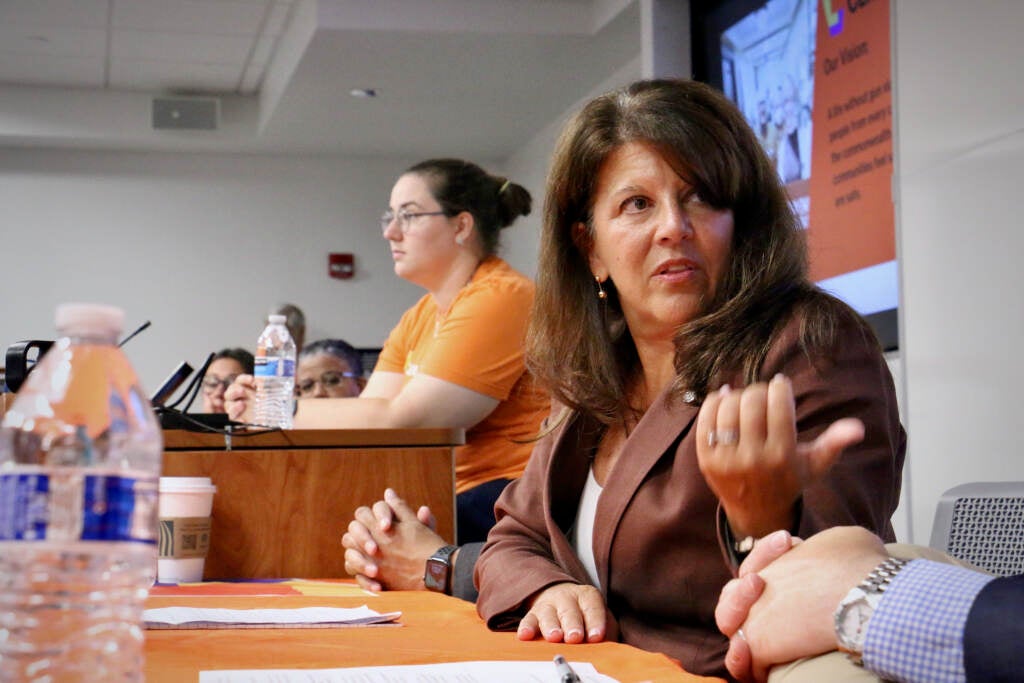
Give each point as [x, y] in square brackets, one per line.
[185, 507]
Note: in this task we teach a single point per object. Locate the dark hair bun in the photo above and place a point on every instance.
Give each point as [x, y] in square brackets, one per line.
[513, 201]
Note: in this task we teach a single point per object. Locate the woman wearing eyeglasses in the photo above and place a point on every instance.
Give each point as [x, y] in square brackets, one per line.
[227, 364]
[328, 368]
[455, 359]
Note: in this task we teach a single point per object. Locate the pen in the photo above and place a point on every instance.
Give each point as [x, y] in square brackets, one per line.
[565, 672]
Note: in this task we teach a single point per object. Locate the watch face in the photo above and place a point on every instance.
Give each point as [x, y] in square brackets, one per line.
[851, 625]
[435, 577]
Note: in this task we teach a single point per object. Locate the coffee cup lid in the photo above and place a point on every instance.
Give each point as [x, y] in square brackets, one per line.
[187, 484]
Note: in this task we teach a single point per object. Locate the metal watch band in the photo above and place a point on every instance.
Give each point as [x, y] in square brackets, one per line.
[859, 604]
[882, 575]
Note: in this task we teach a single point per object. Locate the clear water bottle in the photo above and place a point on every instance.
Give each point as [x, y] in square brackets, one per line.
[80, 457]
[275, 375]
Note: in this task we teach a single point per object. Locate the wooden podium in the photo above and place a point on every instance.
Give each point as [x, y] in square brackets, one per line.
[284, 499]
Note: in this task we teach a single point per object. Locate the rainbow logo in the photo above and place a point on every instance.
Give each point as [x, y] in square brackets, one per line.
[834, 19]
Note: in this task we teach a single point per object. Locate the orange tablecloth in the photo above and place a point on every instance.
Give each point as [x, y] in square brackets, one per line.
[434, 628]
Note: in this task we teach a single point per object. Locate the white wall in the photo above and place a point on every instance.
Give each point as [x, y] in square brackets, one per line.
[202, 245]
[959, 105]
[529, 167]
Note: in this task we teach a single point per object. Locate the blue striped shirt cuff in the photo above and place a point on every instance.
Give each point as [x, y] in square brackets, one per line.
[916, 633]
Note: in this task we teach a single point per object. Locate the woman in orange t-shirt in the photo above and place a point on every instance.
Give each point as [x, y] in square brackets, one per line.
[455, 359]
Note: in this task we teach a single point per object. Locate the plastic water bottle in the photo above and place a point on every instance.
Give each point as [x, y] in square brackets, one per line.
[275, 375]
[80, 457]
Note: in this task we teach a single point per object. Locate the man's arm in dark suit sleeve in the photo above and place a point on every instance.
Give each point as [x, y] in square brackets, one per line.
[994, 634]
[462, 573]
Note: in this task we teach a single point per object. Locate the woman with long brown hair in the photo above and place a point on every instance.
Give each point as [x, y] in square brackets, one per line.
[711, 393]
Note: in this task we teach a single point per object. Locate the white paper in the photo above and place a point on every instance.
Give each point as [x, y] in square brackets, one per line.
[211, 617]
[456, 672]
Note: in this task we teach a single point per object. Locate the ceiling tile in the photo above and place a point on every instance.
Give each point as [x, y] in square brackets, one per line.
[53, 41]
[78, 72]
[81, 13]
[226, 17]
[172, 77]
[198, 48]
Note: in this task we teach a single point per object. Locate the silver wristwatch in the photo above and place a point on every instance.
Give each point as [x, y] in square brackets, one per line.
[855, 610]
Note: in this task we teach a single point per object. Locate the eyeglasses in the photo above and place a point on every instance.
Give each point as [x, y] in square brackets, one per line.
[328, 380]
[210, 383]
[404, 218]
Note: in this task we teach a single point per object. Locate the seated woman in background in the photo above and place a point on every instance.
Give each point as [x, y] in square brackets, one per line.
[295, 321]
[456, 357]
[711, 392]
[328, 368]
[226, 366]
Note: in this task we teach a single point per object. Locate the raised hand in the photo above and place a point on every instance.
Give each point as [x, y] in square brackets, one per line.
[747, 450]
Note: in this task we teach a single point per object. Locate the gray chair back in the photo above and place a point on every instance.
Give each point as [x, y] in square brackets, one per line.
[983, 523]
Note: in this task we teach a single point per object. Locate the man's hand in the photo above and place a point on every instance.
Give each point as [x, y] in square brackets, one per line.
[780, 608]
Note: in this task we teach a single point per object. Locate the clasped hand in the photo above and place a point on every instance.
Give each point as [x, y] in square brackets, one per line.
[387, 544]
[238, 397]
[748, 453]
[780, 608]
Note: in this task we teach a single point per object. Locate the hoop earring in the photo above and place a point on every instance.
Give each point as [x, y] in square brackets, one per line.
[601, 294]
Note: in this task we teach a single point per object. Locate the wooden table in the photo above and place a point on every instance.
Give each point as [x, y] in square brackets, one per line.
[434, 628]
[285, 498]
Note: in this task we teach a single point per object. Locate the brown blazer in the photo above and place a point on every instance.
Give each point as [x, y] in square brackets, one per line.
[659, 558]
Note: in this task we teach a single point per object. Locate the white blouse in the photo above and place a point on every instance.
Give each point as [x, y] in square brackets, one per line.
[583, 527]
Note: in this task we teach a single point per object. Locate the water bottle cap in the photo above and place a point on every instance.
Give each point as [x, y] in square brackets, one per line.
[89, 320]
[276, 319]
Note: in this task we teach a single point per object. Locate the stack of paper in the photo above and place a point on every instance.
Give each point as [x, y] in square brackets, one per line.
[456, 672]
[304, 617]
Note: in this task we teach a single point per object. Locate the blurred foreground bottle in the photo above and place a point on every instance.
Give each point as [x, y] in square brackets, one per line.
[80, 458]
[275, 375]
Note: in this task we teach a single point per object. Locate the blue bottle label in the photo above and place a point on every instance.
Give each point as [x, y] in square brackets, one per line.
[274, 367]
[24, 503]
[40, 507]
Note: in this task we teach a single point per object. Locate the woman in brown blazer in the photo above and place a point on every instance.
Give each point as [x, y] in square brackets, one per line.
[710, 392]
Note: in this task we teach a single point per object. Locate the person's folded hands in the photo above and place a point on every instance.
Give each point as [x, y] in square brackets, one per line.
[239, 397]
[780, 608]
[387, 544]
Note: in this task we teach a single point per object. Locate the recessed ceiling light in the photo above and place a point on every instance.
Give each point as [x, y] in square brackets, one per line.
[362, 92]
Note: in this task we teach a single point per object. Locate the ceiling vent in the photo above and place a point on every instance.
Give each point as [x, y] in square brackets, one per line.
[186, 113]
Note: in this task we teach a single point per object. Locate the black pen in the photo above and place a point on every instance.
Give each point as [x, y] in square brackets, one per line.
[565, 672]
